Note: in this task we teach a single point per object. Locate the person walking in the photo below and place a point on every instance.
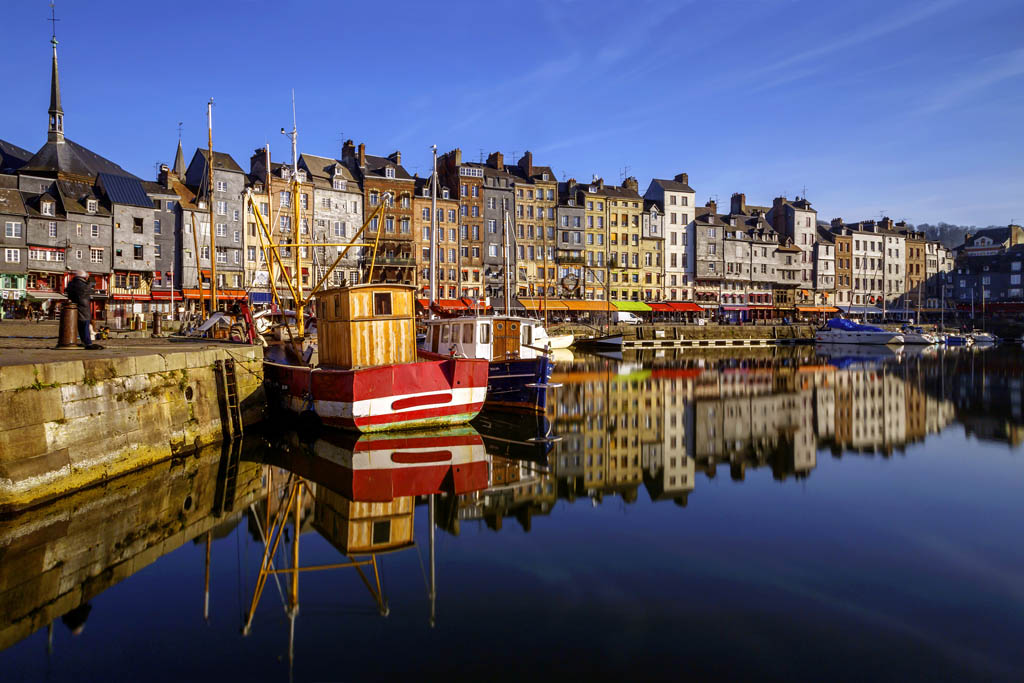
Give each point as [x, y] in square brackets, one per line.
[79, 291]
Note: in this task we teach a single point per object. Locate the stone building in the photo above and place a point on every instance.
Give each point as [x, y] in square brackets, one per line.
[535, 205]
[625, 227]
[14, 255]
[915, 269]
[337, 217]
[595, 237]
[225, 199]
[256, 209]
[446, 236]
[569, 254]
[824, 268]
[797, 221]
[166, 243]
[498, 200]
[385, 180]
[705, 257]
[844, 264]
[291, 219]
[678, 201]
[652, 252]
[467, 181]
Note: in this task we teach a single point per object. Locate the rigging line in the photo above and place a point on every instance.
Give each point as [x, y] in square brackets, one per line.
[259, 527]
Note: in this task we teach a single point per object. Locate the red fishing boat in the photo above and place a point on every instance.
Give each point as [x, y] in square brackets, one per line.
[369, 375]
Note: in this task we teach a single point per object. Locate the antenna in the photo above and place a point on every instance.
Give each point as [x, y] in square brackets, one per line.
[803, 190]
[624, 173]
[53, 21]
[481, 155]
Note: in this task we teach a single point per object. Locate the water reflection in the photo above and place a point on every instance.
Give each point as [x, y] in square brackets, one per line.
[653, 424]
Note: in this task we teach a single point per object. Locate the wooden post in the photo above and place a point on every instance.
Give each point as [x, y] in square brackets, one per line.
[68, 325]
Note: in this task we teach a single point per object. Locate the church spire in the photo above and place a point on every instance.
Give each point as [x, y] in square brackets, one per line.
[55, 132]
[179, 162]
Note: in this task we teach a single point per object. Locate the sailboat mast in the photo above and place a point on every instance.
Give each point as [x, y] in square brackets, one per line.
[209, 199]
[300, 323]
[432, 225]
[505, 260]
[433, 574]
[544, 280]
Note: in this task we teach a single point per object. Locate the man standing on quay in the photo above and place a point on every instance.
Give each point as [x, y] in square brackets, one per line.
[79, 291]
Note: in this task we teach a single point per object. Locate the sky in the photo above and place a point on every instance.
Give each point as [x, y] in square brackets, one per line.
[906, 109]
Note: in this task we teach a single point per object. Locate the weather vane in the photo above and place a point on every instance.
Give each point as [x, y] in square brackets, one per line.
[53, 21]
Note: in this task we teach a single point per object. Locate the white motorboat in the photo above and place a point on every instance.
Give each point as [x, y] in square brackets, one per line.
[917, 335]
[559, 341]
[981, 337]
[843, 331]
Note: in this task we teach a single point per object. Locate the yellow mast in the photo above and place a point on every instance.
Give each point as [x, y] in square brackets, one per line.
[209, 195]
[199, 271]
[300, 304]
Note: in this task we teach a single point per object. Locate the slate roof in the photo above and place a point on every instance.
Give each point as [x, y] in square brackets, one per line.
[221, 161]
[71, 158]
[12, 203]
[152, 188]
[825, 236]
[650, 203]
[74, 194]
[186, 195]
[375, 167]
[997, 235]
[672, 185]
[124, 190]
[12, 157]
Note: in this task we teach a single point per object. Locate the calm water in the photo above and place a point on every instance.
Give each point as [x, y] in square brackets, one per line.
[769, 513]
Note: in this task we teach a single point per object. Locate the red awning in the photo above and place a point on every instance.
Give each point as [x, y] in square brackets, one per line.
[685, 307]
[661, 308]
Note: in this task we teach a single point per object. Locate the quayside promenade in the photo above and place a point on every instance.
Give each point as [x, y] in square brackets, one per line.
[71, 418]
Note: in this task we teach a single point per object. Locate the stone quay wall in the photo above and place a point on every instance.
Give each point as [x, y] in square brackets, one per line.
[68, 425]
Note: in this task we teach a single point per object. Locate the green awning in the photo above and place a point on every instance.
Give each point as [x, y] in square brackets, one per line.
[631, 306]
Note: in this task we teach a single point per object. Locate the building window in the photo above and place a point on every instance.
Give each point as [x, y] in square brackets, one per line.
[51, 229]
[156, 250]
[222, 186]
[156, 226]
[138, 253]
[389, 172]
[12, 255]
[12, 229]
[95, 255]
[222, 229]
[222, 208]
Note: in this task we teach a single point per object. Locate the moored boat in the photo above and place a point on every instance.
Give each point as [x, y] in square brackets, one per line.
[370, 376]
[982, 337]
[843, 331]
[519, 371]
[917, 336]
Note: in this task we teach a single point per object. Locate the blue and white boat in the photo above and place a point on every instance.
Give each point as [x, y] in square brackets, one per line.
[520, 370]
[843, 331]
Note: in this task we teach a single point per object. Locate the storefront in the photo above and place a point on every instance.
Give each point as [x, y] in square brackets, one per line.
[816, 314]
[734, 313]
[12, 293]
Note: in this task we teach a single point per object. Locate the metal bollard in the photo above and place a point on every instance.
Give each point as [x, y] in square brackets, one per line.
[157, 324]
[68, 325]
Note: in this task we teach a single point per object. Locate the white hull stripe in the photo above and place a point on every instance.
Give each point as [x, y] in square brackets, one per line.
[375, 407]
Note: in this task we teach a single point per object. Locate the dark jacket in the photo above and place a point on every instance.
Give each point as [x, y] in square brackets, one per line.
[79, 291]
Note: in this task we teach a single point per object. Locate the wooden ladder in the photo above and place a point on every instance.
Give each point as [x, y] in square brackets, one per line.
[229, 382]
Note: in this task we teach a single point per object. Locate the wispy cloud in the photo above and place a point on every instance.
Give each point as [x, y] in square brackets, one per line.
[864, 34]
[989, 73]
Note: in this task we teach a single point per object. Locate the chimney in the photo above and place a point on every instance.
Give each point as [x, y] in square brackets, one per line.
[738, 203]
[165, 176]
[683, 178]
[600, 183]
[257, 162]
[886, 223]
[526, 163]
[632, 184]
[396, 157]
[712, 206]
[348, 152]
[458, 156]
[362, 155]
[496, 160]
[837, 222]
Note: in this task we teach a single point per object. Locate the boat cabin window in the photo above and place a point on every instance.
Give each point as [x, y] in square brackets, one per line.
[382, 303]
[467, 333]
[485, 334]
[382, 532]
[445, 334]
[527, 335]
[337, 307]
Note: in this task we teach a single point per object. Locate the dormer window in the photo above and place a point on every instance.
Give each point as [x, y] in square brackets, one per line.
[389, 172]
[339, 184]
[91, 206]
[285, 172]
[47, 208]
[544, 176]
[444, 193]
[301, 176]
[202, 203]
[572, 202]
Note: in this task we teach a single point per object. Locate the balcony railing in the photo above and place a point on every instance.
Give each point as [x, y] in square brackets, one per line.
[398, 261]
[569, 258]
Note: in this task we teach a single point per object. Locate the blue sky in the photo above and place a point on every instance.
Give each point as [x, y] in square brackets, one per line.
[913, 109]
